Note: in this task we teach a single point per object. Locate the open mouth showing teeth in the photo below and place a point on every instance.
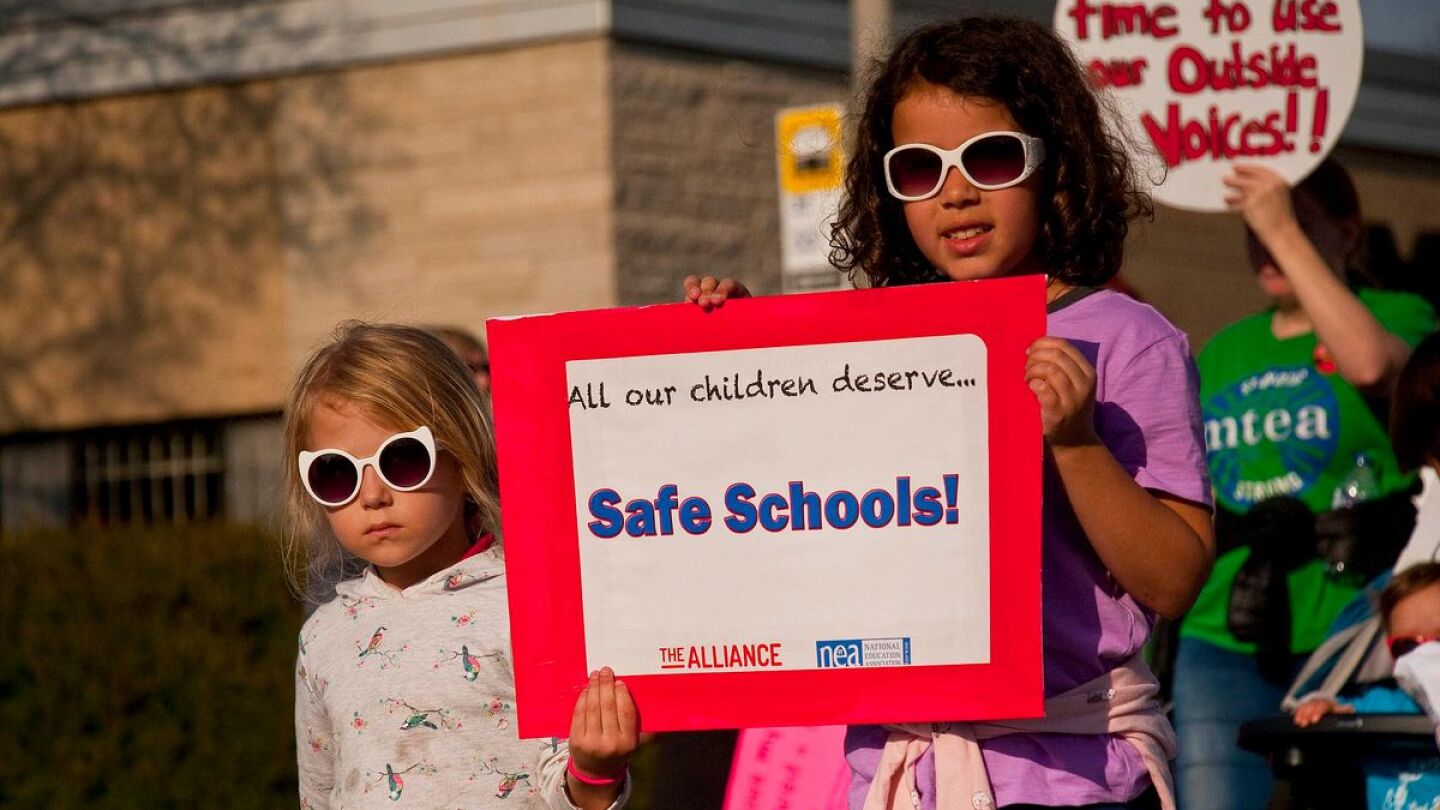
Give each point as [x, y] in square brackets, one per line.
[967, 233]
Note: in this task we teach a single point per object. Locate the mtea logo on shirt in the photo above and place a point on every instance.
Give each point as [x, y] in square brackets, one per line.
[862, 652]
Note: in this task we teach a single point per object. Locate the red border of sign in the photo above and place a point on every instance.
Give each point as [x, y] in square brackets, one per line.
[530, 397]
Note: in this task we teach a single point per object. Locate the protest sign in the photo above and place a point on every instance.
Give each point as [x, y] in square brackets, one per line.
[1205, 84]
[811, 509]
[789, 767]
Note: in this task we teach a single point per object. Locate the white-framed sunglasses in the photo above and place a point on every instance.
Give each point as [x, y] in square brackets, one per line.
[989, 161]
[404, 462]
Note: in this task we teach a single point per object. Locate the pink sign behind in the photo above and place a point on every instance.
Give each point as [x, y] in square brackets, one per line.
[802, 768]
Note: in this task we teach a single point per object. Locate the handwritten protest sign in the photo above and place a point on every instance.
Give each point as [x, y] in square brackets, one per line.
[789, 767]
[812, 509]
[1204, 84]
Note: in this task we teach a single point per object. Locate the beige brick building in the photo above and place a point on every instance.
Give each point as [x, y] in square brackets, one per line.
[197, 193]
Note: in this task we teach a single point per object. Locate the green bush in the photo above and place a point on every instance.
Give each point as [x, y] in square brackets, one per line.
[146, 669]
[155, 669]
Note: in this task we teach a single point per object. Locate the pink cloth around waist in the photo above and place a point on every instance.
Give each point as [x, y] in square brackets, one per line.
[1120, 702]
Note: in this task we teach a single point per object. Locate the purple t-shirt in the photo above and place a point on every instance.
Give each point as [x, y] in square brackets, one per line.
[1147, 413]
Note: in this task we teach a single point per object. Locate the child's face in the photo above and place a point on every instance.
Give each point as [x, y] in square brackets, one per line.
[406, 535]
[1417, 614]
[965, 232]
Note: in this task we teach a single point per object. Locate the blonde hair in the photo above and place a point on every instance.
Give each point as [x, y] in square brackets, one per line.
[400, 377]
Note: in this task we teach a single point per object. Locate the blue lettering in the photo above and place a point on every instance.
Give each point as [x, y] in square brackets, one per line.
[665, 502]
[928, 511]
[695, 516]
[841, 509]
[804, 507]
[902, 499]
[742, 513]
[877, 508]
[608, 521]
[641, 520]
[772, 512]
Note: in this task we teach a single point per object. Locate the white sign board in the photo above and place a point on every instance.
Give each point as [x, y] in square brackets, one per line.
[1205, 84]
[777, 489]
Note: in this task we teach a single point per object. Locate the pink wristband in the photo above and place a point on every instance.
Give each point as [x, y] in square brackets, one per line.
[599, 781]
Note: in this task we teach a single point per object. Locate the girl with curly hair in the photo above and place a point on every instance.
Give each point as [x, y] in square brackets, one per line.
[982, 152]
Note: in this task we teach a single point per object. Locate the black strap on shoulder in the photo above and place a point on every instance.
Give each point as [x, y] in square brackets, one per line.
[1070, 296]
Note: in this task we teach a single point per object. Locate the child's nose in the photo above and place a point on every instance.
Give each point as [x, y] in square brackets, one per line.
[373, 492]
[956, 189]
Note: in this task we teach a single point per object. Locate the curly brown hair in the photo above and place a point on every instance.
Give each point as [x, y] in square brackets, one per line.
[1089, 194]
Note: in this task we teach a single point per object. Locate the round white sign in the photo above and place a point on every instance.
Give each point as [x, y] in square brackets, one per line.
[1205, 84]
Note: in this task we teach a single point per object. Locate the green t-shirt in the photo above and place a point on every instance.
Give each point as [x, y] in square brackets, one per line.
[1280, 420]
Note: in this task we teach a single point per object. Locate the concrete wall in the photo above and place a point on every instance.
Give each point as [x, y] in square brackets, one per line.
[73, 49]
[139, 245]
[695, 178]
[175, 255]
[466, 187]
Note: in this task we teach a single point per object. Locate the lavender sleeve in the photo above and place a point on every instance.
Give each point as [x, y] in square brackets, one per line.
[1150, 419]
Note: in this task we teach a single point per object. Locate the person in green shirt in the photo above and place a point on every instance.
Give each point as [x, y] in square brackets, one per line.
[1288, 397]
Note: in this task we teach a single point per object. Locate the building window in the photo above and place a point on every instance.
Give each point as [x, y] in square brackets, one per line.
[151, 475]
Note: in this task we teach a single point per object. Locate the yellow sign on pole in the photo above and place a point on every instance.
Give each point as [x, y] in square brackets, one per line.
[811, 158]
[811, 164]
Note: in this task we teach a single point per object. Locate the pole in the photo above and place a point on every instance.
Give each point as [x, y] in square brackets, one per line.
[869, 36]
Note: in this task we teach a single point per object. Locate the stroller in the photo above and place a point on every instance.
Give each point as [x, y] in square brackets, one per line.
[1328, 764]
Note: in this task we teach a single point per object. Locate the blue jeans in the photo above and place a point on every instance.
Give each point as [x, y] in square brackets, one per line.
[1215, 691]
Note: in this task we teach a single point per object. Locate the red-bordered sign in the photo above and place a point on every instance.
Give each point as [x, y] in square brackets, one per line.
[952, 354]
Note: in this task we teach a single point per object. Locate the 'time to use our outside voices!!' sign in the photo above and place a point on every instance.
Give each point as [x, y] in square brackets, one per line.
[1205, 84]
[810, 509]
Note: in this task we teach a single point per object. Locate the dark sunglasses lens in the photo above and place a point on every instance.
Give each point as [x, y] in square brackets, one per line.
[405, 462]
[915, 172]
[995, 159]
[332, 478]
[1403, 646]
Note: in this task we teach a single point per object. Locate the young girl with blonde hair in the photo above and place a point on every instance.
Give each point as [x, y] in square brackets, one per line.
[404, 689]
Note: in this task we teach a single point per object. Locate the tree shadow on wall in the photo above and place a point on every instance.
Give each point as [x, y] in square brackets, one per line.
[137, 231]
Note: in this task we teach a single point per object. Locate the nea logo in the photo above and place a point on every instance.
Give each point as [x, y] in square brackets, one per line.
[842, 653]
[862, 652]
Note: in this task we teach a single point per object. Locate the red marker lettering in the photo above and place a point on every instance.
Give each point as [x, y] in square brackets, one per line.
[1304, 15]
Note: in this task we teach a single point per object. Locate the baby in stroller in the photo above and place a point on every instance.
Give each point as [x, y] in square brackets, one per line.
[1402, 675]
[1410, 614]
